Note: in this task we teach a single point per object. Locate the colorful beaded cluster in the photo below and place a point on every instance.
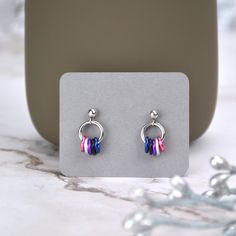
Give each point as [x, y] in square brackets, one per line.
[154, 146]
[90, 146]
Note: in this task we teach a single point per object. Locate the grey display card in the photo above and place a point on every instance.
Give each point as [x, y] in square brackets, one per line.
[123, 102]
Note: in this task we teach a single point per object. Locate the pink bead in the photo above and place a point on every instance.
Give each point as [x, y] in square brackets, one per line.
[161, 144]
[82, 144]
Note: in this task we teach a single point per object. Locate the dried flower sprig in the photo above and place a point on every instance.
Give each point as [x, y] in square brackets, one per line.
[144, 220]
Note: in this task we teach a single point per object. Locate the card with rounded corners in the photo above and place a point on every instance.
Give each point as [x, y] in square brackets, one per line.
[123, 102]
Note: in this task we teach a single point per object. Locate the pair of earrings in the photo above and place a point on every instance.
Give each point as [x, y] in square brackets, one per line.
[153, 146]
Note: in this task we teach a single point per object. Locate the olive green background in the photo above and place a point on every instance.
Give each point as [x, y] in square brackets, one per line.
[119, 36]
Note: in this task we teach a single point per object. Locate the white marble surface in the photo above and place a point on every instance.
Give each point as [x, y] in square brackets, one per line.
[35, 199]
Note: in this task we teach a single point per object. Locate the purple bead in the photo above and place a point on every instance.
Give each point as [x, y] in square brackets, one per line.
[89, 147]
[154, 147]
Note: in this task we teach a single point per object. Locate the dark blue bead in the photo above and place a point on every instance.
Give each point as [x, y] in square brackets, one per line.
[93, 147]
[146, 146]
[150, 146]
[97, 145]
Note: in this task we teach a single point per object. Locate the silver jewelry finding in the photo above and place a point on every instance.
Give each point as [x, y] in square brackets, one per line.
[154, 115]
[92, 114]
[153, 146]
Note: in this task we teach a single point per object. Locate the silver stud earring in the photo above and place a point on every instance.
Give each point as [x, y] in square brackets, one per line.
[88, 145]
[153, 146]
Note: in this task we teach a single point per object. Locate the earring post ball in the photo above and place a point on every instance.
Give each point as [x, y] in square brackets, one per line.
[92, 113]
[154, 114]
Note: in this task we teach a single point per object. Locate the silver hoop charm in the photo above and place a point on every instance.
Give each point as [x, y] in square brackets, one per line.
[153, 146]
[88, 145]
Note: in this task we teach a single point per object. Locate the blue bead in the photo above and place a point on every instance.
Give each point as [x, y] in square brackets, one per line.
[97, 145]
[146, 145]
[150, 146]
